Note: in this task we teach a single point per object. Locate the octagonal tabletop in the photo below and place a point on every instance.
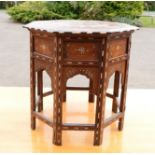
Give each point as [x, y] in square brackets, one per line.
[80, 26]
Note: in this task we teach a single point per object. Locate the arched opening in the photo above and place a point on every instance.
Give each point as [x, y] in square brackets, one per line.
[77, 109]
[78, 81]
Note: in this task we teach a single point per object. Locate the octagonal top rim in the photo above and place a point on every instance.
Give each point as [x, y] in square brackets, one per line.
[80, 26]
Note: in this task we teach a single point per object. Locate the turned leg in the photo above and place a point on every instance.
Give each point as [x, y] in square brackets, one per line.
[91, 95]
[116, 91]
[32, 93]
[40, 90]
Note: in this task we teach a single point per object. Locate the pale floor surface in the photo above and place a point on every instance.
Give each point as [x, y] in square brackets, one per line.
[16, 135]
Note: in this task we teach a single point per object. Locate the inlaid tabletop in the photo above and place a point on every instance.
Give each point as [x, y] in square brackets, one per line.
[80, 26]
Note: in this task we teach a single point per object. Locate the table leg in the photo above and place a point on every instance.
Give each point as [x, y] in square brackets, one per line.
[122, 103]
[100, 109]
[124, 87]
[58, 100]
[91, 95]
[57, 118]
[101, 98]
[116, 91]
[99, 123]
[32, 93]
[40, 90]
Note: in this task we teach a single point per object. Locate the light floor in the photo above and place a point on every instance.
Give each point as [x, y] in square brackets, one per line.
[16, 136]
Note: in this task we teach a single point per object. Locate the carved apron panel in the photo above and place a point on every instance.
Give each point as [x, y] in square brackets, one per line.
[81, 51]
[90, 72]
[117, 48]
[44, 46]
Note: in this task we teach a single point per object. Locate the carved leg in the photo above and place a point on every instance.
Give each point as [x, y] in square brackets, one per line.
[99, 122]
[116, 91]
[40, 90]
[91, 95]
[100, 109]
[32, 93]
[101, 98]
[58, 91]
[57, 119]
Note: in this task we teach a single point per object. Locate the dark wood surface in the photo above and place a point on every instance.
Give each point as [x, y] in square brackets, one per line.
[96, 56]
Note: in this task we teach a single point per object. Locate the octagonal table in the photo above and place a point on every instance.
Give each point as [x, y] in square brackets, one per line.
[65, 48]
